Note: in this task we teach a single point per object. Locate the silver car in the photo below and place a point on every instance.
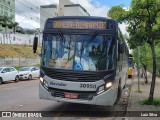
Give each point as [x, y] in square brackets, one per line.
[29, 72]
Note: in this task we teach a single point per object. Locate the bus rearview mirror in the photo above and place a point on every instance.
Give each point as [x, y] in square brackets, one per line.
[35, 44]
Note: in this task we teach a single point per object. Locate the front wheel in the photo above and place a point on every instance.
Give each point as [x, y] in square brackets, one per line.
[30, 77]
[17, 79]
[119, 93]
[1, 81]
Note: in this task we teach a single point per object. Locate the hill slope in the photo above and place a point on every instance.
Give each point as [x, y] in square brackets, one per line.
[17, 51]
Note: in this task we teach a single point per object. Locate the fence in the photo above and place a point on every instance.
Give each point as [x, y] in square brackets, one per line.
[19, 61]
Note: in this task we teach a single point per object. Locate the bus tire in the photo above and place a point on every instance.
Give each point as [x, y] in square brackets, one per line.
[1, 80]
[125, 82]
[119, 93]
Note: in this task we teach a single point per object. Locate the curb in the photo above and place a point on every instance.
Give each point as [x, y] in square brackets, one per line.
[129, 100]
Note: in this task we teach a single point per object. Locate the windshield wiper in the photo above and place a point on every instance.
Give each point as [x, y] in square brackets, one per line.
[61, 35]
[63, 39]
[91, 39]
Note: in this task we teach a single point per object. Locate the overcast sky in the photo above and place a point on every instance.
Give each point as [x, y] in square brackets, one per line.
[27, 11]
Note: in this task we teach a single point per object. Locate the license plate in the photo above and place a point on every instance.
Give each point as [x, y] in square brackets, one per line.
[71, 95]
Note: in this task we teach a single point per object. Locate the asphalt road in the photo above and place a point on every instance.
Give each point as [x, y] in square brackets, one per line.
[23, 96]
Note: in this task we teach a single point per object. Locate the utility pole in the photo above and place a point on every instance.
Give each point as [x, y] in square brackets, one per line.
[138, 68]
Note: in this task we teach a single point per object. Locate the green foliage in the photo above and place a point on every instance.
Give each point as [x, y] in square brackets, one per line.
[19, 67]
[146, 57]
[38, 65]
[6, 22]
[145, 53]
[30, 31]
[143, 20]
[117, 13]
[155, 102]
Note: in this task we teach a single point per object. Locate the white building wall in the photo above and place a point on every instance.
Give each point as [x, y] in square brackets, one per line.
[61, 6]
[47, 13]
[50, 11]
[82, 12]
[74, 11]
[71, 11]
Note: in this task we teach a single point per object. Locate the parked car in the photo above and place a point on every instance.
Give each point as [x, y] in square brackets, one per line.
[28, 73]
[8, 73]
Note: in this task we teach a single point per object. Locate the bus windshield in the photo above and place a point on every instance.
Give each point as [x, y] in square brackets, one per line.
[78, 52]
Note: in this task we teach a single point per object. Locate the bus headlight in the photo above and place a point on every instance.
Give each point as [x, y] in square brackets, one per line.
[41, 79]
[101, 89]
[44, 83]
[105, 87]
[109, 85]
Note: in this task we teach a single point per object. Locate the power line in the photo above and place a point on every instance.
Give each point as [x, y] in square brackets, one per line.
[32, 8]
[31, 17]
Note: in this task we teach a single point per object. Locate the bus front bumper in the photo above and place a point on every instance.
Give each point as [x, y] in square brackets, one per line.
[107, 98]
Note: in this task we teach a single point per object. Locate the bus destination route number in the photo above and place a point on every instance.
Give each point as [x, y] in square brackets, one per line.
[80, 24]
[88, 86]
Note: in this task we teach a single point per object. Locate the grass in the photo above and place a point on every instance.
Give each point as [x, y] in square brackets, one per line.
[17, 51]
[155, 102]
[18, 67]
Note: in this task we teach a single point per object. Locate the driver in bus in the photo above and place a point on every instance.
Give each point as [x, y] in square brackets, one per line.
[83, 62]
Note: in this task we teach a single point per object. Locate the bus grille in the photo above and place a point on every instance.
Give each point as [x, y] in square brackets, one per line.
[76, 76]
[82, 95]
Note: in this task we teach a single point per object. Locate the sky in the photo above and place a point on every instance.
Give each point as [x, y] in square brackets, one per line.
[115, 2]
[27, 11]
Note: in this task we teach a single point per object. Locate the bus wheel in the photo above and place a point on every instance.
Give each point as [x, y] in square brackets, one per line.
[1, 80]
[125, 82]
[119, 93]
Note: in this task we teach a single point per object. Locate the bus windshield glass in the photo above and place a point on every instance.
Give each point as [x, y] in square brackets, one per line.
[78, 52]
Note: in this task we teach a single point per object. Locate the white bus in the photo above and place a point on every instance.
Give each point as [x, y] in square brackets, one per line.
[84, 60]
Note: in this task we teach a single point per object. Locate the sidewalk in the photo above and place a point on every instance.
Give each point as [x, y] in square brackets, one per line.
[135, 97]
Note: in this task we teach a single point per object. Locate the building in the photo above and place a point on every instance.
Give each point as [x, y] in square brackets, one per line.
[62, 3]
[75, 10]
[7, 8]
[65, 8]
[47, 11]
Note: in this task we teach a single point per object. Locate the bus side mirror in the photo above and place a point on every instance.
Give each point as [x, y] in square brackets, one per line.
[121, 47]
[35, 44]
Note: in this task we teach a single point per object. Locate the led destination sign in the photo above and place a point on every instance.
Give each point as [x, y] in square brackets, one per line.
[75, 24]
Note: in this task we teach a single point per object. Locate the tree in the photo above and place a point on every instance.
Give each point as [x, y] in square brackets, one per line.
[6, 21]
[145, 58]
[144, 26]
[15, 26]
[144, 18]
[118, 13]
[20, 30]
